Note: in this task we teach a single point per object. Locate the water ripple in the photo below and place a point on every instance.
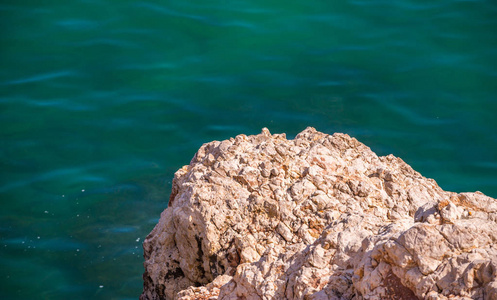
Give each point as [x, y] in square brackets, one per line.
[49, 175]
[105, 41]
[43, 77]
[169, 12]
[78, 24]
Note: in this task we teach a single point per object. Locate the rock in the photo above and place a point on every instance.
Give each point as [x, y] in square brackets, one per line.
[317, 217]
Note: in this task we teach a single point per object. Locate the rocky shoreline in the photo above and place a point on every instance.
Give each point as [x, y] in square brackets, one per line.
[317, 217]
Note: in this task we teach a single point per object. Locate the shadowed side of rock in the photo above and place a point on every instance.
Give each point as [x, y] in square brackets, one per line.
[317, 217]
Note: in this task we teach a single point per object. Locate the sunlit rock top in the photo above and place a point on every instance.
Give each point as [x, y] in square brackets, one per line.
[317, 217]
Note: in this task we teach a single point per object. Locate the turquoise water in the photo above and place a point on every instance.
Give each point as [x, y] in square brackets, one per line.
[102, 101]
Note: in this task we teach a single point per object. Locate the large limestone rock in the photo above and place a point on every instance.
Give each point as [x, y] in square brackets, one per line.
[317, 217]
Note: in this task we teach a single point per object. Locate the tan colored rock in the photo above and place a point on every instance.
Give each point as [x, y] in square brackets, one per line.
[317, 217]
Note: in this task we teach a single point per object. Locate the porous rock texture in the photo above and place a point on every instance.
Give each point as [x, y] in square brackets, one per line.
[317, 217]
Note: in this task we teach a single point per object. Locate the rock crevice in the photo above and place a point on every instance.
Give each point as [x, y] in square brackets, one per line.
[317, 217]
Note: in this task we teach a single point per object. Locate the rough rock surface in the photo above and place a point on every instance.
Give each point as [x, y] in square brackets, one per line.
[317, 217]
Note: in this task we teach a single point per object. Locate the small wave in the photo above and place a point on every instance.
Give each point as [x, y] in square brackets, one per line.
[78, 24]
[121, 229]
[147, 67]
[42, 77]
[50, 175]
[169, 12]
[52, 244]
[105, 41]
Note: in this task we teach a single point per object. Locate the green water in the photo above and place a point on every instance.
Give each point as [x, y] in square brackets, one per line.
[102, 101]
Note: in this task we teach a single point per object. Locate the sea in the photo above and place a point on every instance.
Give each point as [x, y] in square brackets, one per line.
[102, 101]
